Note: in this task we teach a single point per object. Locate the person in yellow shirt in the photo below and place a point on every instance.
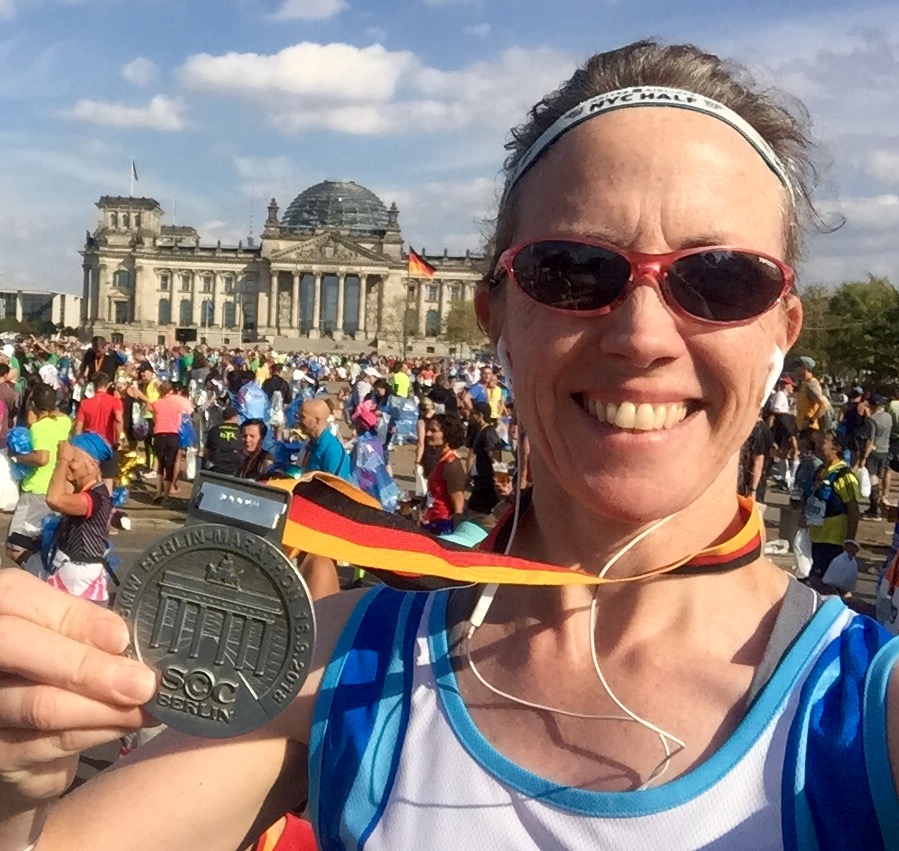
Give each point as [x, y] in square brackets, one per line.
[832, 507]
[402, 383]
[811, 403]
[48, 429]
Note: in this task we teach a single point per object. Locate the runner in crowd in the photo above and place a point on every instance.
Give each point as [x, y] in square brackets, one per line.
[103, 414]
[224, 447]
[445, 503]
[255, 461]
[670, 686]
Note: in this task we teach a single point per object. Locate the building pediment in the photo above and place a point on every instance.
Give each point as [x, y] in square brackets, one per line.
[327, 249]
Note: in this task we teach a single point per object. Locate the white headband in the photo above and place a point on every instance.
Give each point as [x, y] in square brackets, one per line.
[647, 96]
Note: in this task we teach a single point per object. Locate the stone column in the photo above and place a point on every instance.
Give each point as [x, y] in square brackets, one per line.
[441, 305]
[197, 297]
[272, 298]
[420, 307]
[18, 305]
[360, 316]
[137, 308]
[315, 331]
[94, 307]
[295, 304]
[85, 294]
[341, 287]
[103, 310]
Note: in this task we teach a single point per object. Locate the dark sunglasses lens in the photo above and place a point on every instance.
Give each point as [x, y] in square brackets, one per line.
[570, 275]
[725, 286]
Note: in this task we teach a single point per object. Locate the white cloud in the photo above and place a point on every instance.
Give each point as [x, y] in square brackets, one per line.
[140, 71]
[375, 91]
[376, 34]
[161, 113]
[883, 164]
[322, 72]
[309, 10]
[479, 30]
[876, 212]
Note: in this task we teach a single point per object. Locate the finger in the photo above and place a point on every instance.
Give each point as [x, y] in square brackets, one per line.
[35, 653]
[24, 705]
[23, 749]
[25, 596]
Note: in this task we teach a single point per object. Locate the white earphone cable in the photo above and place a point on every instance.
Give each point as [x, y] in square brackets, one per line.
[486, 599]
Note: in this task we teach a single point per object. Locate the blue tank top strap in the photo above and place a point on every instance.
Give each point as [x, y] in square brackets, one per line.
[837, 783]
[361, 716]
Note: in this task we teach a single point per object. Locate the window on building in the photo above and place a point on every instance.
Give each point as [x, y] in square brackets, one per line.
[432, 293]
[185, 312]
[165, 312]
[207, 283]
[122, 279]
[137, 220]
[185, 283]
[116, 339]
[207, 313]
[165, 280]
[410, 292]
[432, 323]
[122, 312]
[113, 220]
[455, 292]
[126, 221]
[229, 315]
[229, 283]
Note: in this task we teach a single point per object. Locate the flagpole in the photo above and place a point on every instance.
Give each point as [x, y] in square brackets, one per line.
[131, 181]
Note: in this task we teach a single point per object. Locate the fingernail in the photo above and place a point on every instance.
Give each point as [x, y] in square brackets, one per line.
[109, 635]
[134, 682]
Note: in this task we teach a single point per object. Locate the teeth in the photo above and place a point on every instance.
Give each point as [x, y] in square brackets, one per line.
[627, 412]
[638, 417]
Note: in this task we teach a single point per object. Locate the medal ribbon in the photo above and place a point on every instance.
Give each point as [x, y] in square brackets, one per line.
[329, 517]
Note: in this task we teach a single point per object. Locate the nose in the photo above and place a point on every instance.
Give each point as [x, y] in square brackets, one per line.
[642, 330]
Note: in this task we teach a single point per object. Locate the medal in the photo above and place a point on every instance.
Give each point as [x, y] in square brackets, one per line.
[226, 619]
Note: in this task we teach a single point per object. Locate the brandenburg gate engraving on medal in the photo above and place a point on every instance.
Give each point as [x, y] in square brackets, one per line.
[219, 593]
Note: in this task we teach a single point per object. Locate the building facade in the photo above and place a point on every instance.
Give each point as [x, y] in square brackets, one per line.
[331, 273]
[41, 307]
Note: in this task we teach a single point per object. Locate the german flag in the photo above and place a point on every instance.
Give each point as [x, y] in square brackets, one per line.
[418, 266]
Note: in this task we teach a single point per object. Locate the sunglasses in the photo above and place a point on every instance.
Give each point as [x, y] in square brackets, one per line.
[718, 284]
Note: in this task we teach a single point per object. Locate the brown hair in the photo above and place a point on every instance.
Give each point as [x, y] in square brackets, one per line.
[782, 122]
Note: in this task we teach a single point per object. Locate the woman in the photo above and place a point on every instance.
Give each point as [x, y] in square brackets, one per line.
[445, 500]
[167, 412]
[368, 465]
[256, 461]
[426, 456]
[707, 707]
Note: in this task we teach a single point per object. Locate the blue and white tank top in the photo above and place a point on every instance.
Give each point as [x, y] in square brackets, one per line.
[397, 763]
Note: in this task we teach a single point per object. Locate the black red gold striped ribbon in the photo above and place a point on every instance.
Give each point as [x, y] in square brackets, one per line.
[330, 517]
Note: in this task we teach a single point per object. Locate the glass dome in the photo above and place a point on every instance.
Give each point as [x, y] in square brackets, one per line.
[338, 205]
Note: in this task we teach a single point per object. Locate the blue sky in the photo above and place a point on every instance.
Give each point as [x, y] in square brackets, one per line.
[225, 104]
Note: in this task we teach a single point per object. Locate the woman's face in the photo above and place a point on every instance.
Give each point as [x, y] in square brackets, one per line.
[434, 433]
[83, 469]
[650, 180]
[251, 438]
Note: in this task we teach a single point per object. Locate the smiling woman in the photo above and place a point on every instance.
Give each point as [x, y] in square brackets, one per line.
[656, 683]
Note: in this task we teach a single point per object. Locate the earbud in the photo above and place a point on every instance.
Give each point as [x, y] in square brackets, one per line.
[775, 368]
[505, 360]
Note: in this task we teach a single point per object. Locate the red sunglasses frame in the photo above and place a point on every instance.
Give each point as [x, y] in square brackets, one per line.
[643, 265]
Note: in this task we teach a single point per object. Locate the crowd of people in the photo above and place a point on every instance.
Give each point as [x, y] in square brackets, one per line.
[258, 414]
[632, 672]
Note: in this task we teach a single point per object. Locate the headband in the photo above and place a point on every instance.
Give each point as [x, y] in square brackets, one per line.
[646, 96]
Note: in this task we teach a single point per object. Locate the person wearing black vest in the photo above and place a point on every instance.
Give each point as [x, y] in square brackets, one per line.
[224, 448]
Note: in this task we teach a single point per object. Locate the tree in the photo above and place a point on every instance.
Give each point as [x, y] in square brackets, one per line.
[460, 326]
[398, 323]
[852, 331]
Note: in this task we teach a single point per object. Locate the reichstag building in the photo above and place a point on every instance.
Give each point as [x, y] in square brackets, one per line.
[330, 273]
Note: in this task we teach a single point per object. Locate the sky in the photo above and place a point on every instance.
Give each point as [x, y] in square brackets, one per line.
[223, 104]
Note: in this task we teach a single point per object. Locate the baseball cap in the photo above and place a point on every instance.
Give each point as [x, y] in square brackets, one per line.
[857, 391]
[786, 379]
[807, 362]
[371, 372]
[93, 445]
[145, 365]
[876, 399]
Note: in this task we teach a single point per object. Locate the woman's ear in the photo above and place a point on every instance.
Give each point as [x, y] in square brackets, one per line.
[793, 310]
